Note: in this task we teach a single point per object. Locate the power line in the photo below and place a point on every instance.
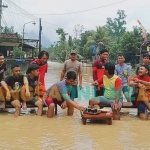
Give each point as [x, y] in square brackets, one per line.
[56, 25]
[21, 10]
[83, 10]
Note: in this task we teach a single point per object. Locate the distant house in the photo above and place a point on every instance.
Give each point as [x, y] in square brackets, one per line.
[9, 41]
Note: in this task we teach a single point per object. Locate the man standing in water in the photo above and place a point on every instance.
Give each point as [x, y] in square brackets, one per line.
[98, 70]
[2, 76]
[124, 72]
[73, 65]
[42, 62]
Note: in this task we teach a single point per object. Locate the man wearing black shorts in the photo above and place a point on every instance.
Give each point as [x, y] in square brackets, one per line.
[34, 79]
[12, 85]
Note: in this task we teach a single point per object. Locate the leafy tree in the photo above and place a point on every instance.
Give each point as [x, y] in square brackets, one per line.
[116, 26]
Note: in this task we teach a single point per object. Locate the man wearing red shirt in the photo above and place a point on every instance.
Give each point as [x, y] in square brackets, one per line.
[142, 81]
[41, 61]
[98, 70]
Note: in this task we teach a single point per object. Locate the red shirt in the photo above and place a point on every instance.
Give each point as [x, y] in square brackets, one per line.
[98, 70]
[43, 69]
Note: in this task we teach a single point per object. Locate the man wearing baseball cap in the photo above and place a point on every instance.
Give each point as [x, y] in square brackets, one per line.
[73, 65]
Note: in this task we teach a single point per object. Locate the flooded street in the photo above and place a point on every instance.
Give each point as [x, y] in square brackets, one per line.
[29, 132]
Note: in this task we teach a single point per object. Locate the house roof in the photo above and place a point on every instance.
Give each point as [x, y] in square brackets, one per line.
[16, 44]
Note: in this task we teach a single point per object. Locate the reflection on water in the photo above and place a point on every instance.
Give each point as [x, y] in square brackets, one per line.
[62, 132]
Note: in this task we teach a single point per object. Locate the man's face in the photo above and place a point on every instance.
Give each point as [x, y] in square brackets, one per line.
[104, 56]
[70, 81]
[142, 71]
[146, 60]
[121, 59]
[16, 71]
[1, 60]
[35, 72]
[43, 59]
[105, 72]
[73, 56]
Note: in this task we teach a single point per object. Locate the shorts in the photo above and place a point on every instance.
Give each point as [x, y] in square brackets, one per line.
[32, 101]
[74, 92]
[49, 101]
[108, 102]
[142, 108]
[125, 89]
[99, 92]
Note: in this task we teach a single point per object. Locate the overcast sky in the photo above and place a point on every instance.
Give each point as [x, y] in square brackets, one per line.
[134, 9]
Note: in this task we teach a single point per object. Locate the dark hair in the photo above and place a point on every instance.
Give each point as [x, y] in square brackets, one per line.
[146, 67]
[110, 67]
[146, 55]
[103, 51]
[71, 75]
[42, 53]
[13, 66]
[121, 55]
[1, 54]
[31, 68]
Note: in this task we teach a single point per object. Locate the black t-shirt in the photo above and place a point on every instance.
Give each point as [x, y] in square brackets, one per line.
[32, 82]
[2, 70]
[14, 83]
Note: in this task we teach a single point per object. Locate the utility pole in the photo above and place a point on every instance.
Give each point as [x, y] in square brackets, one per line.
[1, 6]
[40, 30]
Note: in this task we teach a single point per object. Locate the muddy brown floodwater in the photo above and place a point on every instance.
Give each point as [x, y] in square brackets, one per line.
[29, 132]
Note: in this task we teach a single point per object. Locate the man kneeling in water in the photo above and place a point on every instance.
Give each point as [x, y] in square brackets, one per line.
[142, 82]
[112, 91]
[59, 93]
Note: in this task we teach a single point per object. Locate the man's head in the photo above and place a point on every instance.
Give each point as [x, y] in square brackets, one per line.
[109, 68]
[104, 55]
[143, 71]
[121, 59]
[33, 70]
[1, 59]
[16, 70]
[146, 59]
[73, 55]
[43, 56]
[71, 77]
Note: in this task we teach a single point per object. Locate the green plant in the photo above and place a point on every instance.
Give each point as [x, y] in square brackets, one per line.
[18, 53]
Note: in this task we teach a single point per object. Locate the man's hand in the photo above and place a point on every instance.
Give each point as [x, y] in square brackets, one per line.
[136, 80]
[64, 105]
[81, 108]
[141, 85]
[8, 95]
[116, 106]
[95, 83]
[27, 94]
[80, 86]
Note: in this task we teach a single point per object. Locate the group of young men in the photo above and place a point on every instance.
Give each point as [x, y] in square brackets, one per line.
[20, 90]
[113, 80]
[110, 81]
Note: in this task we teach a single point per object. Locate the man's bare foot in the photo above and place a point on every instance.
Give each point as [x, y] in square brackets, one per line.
[24, 106]
[2, 105]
